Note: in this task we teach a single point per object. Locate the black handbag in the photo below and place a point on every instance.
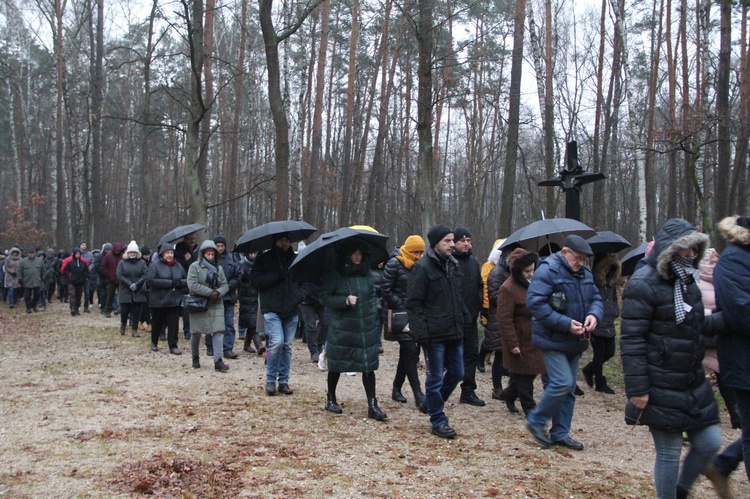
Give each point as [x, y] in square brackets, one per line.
[558, 301]
[395, 321]
[193, 303]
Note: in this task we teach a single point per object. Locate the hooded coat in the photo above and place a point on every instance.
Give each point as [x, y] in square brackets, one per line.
[352, 341]
[31, 272]
[109, 264]
[731, 278]
[515, 320]
[202, 282]
[75, 268]
[660, 357]
[12, 264]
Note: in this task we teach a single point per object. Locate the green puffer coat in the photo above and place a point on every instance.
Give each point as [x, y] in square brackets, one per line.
[352, 332]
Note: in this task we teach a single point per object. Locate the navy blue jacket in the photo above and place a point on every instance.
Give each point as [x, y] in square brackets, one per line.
[732, 285]
[550, 329]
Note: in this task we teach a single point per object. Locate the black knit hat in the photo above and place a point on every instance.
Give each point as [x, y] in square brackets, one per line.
[145, 250]
[437, 233]
[744, 222]
[461, 232]
[220, 240]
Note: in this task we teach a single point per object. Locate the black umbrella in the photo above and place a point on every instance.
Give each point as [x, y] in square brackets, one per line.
[608, 242]
[180, 232]
[262, 237]
[542, 233]
[321, 256]
[630, 260]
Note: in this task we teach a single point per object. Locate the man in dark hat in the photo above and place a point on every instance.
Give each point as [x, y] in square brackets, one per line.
[565, 306]
[470, 276]
[438, 320]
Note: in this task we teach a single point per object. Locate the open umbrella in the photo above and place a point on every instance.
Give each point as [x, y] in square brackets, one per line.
[180, 232]
[321, 256]
[261, 238]
[536, 235]
[630, 260]
[608, 242]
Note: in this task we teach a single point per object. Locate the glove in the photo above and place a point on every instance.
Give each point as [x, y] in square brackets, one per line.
[176, 282]
[133, 287]
[214, 296]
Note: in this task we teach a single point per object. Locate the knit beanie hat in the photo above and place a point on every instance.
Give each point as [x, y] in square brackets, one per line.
[461, 232]
[133, 246]
[145, 250]
[413, 244]
[220, 239]
[437, 233]
[165, 247]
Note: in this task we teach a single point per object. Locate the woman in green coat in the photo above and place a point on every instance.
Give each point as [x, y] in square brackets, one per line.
[352, 344]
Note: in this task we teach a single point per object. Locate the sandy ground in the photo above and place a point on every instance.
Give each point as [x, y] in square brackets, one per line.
[86, 412]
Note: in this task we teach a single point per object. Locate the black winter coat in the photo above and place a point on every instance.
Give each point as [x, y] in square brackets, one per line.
[166, 284]
[731, 282]
[248, 297]
[660, 357]
[393, 290]
[233, 273]
[493, 340]
[131, 272]
[607, 272]
[472, 285]
[278, 293]
[434, 300]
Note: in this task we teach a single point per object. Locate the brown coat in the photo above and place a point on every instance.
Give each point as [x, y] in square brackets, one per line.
[515, 326]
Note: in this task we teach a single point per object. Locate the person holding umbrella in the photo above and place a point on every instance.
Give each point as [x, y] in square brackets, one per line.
[205, 277]
[352, 342]
[279, 303]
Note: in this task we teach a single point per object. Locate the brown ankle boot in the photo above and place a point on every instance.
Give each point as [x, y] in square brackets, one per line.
[497, 393]
[259, 346]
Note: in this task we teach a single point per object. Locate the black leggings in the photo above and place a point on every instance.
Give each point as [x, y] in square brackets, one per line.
[408, 356]
[368, 381]
[604, 349]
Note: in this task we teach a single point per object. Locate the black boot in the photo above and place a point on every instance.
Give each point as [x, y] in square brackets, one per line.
[588, 374]
[331, 405]
[419, 400]
[374, 412]
[221, 366]
[196, 363]
[258, 342]
[601, 386]
[248, 344]
[398, 396]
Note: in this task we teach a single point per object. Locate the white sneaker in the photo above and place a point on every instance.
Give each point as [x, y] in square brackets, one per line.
[349, 374]
[322, 361]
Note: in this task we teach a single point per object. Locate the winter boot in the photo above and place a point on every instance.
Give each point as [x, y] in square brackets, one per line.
[221, 366]
[588, 374]
[122, 329]
[419, 401]
[259, 346]
[601, 386]
[196, 363]
[398, 396]
[247, 345]
[135, 334]
[374, 412]
[332, 405]
[497, 393]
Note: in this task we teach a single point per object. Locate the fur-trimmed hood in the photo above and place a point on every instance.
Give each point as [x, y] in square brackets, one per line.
[607, 271]
[734, 232]
[676, 234]
[518, 260]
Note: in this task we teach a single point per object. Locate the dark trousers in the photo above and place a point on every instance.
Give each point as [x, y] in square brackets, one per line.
[74, 296]
[471, 359]
[730, 458]
[31, 297]
[408, 356]
[368, 381]
[604, 349]
[168, 317]
[313, 319]
[498, 370]
[111, 287]
[51, 290]
[521, 386]
[126, 309]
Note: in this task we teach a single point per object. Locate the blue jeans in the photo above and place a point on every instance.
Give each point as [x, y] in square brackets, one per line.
[558, 400]
[86, 294]
[704, 444]
[12, 297]
[280, 333]
[229, 332]
[442, 357]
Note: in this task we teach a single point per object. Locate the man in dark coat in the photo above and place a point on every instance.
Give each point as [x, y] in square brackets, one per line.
[470, 276]
[731, 278]
[233, 273]
[279, 303]
[439, 320]
[566, 307]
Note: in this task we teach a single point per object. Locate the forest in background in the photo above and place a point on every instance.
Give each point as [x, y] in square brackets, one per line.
[121, 120]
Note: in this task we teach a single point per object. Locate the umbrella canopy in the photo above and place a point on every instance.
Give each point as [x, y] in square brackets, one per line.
[608, 242]
[262, 237]
[321, 256]
[180, 232]
[630, 260]
[542, 233]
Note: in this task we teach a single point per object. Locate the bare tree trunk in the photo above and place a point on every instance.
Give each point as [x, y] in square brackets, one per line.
[549, 117]
[234, 223]
[739, 175]
[656, 41]
[598, 194]
[348, 166]
[724, 159]
[58, 218]
[511, 151]
[426, 178]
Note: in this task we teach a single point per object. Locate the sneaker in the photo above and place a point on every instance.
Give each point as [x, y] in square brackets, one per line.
[221, 366]
[322, 361]
[175, 351]
[154, 348]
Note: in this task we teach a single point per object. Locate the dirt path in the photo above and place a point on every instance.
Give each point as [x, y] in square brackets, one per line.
[86, 412]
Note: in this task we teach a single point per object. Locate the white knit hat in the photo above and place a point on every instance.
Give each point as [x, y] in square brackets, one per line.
[133, 246]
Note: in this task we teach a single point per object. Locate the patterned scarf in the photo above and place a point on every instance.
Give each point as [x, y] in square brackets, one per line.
[683, 268]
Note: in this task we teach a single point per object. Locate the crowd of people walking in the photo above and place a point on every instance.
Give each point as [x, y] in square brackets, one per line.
[680, 314]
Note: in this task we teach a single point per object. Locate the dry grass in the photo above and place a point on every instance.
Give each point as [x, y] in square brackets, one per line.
[88, 413]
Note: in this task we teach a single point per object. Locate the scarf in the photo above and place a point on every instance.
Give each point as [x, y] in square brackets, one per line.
[682, 267]
[212, 275]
